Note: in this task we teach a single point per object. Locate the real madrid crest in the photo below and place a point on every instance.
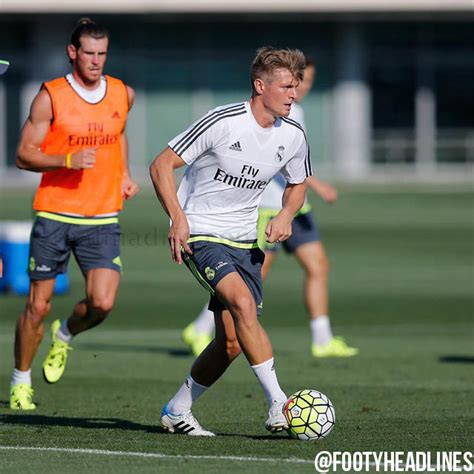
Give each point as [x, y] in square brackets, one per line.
[280, 154]
[210, 273]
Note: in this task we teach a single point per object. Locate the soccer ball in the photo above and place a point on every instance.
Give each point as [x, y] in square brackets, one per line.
[310, 415]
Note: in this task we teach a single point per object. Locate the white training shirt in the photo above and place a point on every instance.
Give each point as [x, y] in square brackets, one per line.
[273, 195]
[231, 160]
[297, 114]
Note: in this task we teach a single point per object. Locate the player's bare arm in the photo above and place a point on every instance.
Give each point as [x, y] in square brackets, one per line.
[131, 97]
[279, 228]
[326, 191]
[162, 176]
[29, 154]
[129, 187]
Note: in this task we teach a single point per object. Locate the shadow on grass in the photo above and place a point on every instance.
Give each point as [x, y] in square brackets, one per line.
[89, 423]
[457, 359]
[267, 437]
[105, 423]
[172, 351]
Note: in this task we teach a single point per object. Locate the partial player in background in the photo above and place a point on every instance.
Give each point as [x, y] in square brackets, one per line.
[4, 65]
[305, 244]
[232, 153]
[3, 68]
[75, 136]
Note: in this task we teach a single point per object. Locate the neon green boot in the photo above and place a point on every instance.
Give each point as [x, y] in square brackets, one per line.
[21, 397]
[55, 362]
[195, 340]
[336, 347]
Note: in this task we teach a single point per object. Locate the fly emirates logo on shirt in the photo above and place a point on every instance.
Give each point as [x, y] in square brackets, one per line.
[248, 178]
[95, 137]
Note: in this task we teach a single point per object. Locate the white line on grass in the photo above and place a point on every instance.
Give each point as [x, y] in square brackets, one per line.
[105, 452]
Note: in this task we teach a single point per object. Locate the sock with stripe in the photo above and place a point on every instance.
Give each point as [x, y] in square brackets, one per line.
[184, 398]
[266, 375]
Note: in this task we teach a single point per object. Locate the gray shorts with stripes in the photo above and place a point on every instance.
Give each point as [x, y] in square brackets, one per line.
[212, 261]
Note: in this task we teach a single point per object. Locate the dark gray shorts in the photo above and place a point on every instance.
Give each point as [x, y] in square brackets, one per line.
[212, 261]
[304, 230]
[51, 244]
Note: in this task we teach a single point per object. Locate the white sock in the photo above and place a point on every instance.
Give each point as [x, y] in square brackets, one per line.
[204, 323]
[321, 330]
[20, 376]
[184, 398]
[266, 375]
[63, 332]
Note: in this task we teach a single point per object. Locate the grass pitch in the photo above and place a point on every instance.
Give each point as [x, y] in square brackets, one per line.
[401, 290]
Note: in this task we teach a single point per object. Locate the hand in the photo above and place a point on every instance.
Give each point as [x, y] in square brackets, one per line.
[83, 159]
[327, 192]
[178, 238]
[129, 188]
[279, 228]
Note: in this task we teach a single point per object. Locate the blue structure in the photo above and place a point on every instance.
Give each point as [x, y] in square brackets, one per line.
[14, 249]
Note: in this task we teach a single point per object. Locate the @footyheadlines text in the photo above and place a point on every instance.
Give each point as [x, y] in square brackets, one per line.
[394, 461]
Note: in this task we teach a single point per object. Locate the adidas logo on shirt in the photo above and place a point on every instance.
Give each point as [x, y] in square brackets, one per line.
[235, 146]
[116, 115]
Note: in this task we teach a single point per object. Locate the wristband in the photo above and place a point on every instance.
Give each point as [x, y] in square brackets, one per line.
[68, 160]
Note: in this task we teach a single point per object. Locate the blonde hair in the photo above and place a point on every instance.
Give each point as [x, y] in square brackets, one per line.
[268, 59]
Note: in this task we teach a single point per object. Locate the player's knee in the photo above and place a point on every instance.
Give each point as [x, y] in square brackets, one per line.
[319, 268]
[36, 311]
[40, 309]
[101, 306]
[246, 319]
[245, 309]
[323, 265]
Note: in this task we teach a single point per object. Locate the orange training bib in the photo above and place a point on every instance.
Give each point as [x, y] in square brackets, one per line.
[77, 125]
